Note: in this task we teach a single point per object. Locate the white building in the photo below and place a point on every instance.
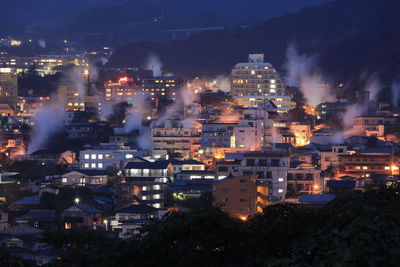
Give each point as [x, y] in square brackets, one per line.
[256, 81]
[101, 158]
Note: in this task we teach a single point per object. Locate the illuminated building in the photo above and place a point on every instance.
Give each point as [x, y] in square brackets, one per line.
[136, 192]
[103, 157]
[123, 90]
[373, 125]
[368, 161]
[329, 109]
[44, 64]
[73, 94]
[81, 216]
[302, 133]
[84, 178]
[240, 196]
[8, 87]
[217, 134]
[161, 89]
[330, 157]
[303, 178]
[269, 166]
[183, 141]
[256, 81]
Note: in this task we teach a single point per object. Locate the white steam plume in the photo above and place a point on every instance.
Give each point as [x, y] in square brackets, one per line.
[153, 63]
[373, 85]
[395, 93]
[134, 120]
[223, 83]
[47, 121]
[185, 97]
[42, 43]
[301, 72]
[136, 114]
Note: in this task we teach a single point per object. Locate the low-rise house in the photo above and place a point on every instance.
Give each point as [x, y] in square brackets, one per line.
[159, 170]
[341, 187]
[190, 175]
[240, 196]
[84, 178]
[127, 221]
[316, 200]
[302, 178]
[99, 158]
[43, 219]
[53, 156]
[27, 203]
[330, 157]
[183, 189]
[134, 192]
[26, 243]
[4, 224]
[187, 165]
[82, 216]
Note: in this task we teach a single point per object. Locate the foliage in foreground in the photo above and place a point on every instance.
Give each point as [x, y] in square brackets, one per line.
[357, 230]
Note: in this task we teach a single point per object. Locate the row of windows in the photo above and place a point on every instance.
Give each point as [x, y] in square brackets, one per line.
[93, 165]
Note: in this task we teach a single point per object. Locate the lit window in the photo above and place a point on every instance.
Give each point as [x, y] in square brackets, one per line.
[86, 165]
[93, 165]
[280, 179]
[157, 187]
[280, 190]
[100, 156]
[144, 197]
[86, 156]
[94, 156]
[100, 165]
[129, 156]
[157, 196]
[64, 180]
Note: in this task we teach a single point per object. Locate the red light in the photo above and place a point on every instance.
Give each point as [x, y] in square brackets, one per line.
[123, 79]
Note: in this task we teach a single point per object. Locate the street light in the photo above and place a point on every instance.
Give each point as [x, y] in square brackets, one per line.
[77, 201]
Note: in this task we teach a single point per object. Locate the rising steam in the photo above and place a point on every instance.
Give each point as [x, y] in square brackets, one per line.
[223, 83]
[153, 63]
[301, 72]
[47, 121]
[395, 93]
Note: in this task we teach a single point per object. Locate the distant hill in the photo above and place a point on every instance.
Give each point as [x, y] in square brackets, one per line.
[138, 17]
[350, 36]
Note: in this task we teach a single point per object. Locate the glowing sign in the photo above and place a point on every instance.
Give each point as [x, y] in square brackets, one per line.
[123, 79]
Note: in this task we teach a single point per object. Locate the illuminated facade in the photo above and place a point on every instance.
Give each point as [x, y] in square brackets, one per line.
[45, 64]
[240, 196]
[8, 87]
[74, 96]
[161, 89]
[256, 81]
[185, 141]
[121, 90]
[302, 133]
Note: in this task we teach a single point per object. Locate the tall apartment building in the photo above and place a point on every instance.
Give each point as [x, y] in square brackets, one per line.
[256, 81]
[161, 89]
[8, 87]
[73, 94]
[122, 90]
